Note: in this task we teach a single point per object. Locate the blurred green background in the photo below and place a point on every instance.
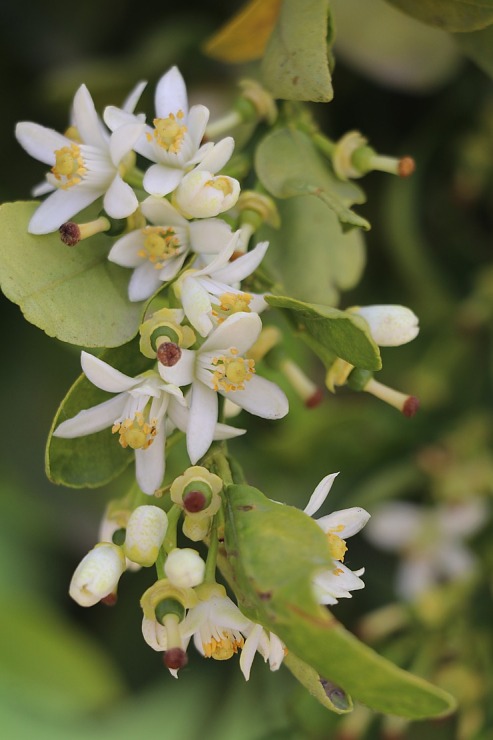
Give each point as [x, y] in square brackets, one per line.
[70, 673]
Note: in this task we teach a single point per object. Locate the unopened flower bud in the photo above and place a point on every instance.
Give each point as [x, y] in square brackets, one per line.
[196, 529]
[390, 326]
[184, 567]
[72, 233]
[203, 195]
[145, 534]
[97, 574]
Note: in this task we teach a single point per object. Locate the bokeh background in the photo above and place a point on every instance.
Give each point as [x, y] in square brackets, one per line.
[70, 673]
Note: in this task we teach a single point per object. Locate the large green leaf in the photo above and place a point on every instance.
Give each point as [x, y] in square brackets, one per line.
[295, 64]
[48, 665]
[288, 165]
[274, 550]
[91, 461]
[478, 46]
[73, 294]
[345, 334]
[451, 15]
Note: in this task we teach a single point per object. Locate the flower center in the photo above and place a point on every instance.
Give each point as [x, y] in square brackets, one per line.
[231, 303]
[224, 648]
[169, 133]
[135, 433]
[160, 244]
[232, 373]
[69, 166]
[337, 546]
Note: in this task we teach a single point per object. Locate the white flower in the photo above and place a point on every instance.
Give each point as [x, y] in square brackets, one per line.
[208, 295]
[429, 541]
[157, 252]
[334, 584]
[184, 567]
[111, 522]
[219, 367]
[173, 143]
[137, 413]
[97, 574]
[390, 326]
[145, 532]
[202, 195]
[81, 171]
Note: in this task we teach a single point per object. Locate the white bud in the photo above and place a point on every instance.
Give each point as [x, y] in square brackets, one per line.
[97, 574]
[184, 568]
[390, 326]
[196, 527]
[203, 195]
[146, 530]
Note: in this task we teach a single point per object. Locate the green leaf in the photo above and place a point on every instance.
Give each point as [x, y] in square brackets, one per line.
[94, 460]
[346, 335]
[478, 46]
[73, 294]
[327, 693]
[288, 165]
[48, 665]
[450, 15]
[295, 64]
[274, 550]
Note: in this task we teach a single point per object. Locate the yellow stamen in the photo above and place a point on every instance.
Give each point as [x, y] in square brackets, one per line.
[231, 303]
[69, 166]
[136, 433]
[168, 133]
[223, 649]
[232, 373]
[337, 546]
[160, 244]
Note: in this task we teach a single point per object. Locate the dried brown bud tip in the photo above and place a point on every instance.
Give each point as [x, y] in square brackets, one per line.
[70, 233]
[315, 399]
[168, 354]
[175, 658]
[410, 406]
[194, 501]
[406, 166]
[109, 600]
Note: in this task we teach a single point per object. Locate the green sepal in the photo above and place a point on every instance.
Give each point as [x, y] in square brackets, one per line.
[288, 165]
[96, 459]
[73, 293]
[449, 15]
[273, 551]
[344, 334]
[478, 46]
[295, 65]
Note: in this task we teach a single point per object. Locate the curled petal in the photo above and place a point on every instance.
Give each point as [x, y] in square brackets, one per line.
[104, 376]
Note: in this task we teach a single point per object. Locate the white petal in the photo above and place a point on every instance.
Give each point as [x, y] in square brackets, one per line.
[86, 119]
[116, 117]
[395, 525]
[42, 189]
[202, 421]
[249, 650]
[240, 268]
[60, 206]
[161, 180]
[209, 236]
[92, 420]
[104, 376]
[240, 330]
[160, 212]
[455, 561]
[197, 305]
[183, 372]
[345, 522]
[133, 98]
[150, 463]
[463, 519]
[123, 140]
[262, 398]
[221, 259]
[218, 156]
[40, 142]
[197, 120]
[124, 252]
[320, 494]
[414, 577]
[224, 431]
[144, 282]
[172, 267]
[171, 94]
[120, 200]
